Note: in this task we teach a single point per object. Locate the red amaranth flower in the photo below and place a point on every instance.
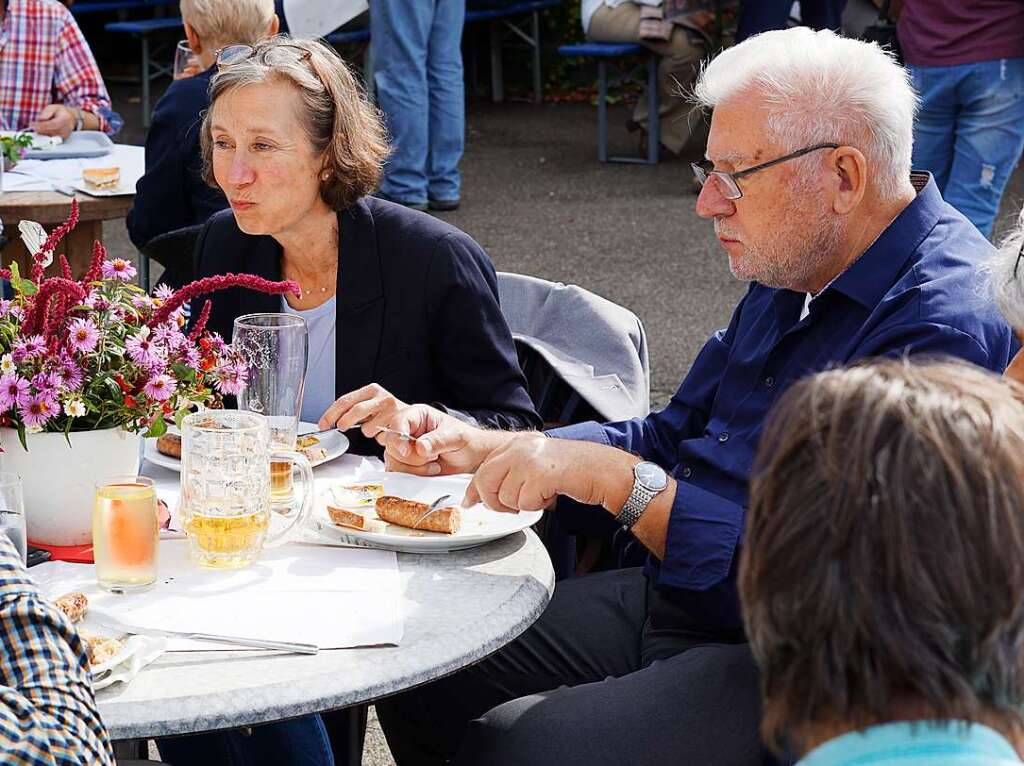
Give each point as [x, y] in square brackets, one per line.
[36, 316]
[200, 325]
[65, 267]
[99, 254]
[221, 282]
[53, 240]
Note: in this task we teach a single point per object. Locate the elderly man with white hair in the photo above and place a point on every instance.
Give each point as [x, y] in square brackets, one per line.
[849, 255]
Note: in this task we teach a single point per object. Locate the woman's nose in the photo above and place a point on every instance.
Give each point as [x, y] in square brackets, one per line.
[240, 172]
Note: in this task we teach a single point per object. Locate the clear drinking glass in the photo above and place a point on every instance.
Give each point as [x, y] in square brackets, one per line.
[12, 512]
[276, 347]
[185, 64]
[125, 532]
[225, 487]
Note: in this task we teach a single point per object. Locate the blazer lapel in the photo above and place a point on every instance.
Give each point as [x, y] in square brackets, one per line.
[360, 291]
[264, 260]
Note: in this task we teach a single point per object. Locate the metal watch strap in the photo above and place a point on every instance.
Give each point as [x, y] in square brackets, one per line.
[635, 505]
[79, 119]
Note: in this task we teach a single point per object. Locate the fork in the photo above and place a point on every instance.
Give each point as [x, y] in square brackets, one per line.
[433, 508]
[380, 429]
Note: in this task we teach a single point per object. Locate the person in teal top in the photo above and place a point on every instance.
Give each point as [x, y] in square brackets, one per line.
[882, 572]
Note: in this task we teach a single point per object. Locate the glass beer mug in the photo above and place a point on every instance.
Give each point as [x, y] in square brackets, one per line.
[225, 487]
[275, 347]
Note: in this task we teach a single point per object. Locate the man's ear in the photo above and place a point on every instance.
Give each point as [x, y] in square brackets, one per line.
[274, 26]
[850, 168]
[193, 39]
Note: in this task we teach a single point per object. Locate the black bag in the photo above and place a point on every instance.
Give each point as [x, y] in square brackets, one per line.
[883, 32]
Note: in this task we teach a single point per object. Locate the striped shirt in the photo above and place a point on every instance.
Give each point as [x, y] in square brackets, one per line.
[47, 710]
[44, 59]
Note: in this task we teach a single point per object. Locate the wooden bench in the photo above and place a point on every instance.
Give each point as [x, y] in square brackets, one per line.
[612, 52]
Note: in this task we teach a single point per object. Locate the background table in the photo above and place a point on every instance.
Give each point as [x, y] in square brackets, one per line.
[459, 607]
[50, 209]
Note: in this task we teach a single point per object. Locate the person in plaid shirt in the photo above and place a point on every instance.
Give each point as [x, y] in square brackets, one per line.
[49, 81]
[47, 710]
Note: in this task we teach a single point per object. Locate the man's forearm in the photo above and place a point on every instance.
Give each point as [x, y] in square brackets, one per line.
[652, 527]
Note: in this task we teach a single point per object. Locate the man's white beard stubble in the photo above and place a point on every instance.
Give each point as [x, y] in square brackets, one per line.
[793, 257]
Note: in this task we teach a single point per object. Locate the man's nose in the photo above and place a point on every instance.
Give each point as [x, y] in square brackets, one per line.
[711, 203]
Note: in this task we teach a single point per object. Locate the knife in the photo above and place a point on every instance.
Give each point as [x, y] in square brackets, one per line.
[252, 643]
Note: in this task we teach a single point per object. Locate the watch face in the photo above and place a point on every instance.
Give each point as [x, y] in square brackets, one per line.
[651, 476]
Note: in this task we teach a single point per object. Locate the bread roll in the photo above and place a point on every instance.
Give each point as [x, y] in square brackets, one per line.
[356, 520]
[73, 605]
[170, 445]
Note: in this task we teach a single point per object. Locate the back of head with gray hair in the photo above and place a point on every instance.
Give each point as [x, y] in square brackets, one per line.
[819, 87]
[228, 21]
[1006, 276]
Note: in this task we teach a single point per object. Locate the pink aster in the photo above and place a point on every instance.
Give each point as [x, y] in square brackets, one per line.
[160, 387]
[118, 268]
[83, 335]
[70, 375]
[142, 350]
[163, 292]
[231, 377]
[46, 383]
[26, 348]
[36, 410]
[13, 391]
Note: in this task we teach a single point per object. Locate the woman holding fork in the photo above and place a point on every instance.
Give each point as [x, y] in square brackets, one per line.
[400, 307]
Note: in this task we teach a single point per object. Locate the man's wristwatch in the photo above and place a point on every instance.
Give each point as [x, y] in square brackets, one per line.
[648, 480]
[79, 118]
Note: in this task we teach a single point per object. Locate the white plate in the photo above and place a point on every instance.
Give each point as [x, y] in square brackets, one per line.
[83, 144]
[120, 190]
[335, 444]
[479, 525]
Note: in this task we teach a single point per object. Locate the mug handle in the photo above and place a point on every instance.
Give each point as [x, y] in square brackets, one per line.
[308, 493]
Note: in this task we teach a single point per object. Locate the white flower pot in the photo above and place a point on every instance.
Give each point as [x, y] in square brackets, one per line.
[59, 480]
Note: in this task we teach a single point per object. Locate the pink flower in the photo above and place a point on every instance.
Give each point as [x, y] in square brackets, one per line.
[70, 375]
[160, 387]
[27, 348]
[83, 336]
[13, 391]
[163, 292]
[142, 350]
[96, 301]
[36, 410]
[231, 377]
[118, 268]
[46, 383]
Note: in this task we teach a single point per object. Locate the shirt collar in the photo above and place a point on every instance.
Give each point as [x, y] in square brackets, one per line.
[872, 275]
[929, 739]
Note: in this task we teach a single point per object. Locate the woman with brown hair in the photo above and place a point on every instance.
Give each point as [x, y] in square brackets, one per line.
[882, 573]
[400, 307]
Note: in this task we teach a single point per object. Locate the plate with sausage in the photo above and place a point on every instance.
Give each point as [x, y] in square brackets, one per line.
[395, 511]
[166, 450]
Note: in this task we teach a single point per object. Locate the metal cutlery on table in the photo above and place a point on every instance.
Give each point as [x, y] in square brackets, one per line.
[380, 430]
[55, 185]
[251, 643]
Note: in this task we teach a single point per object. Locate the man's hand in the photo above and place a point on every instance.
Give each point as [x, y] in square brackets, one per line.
[55, 120]
[371, 406]
[529, 472]
[442, 445]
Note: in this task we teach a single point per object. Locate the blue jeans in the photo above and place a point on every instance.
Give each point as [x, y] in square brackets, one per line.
[418, 73]
[298, 742]
[970, 132]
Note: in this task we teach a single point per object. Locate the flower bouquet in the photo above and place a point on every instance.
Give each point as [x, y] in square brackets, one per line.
[100, 355]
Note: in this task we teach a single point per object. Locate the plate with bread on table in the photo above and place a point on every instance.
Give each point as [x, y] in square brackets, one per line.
[398, 511]
[323, 447]
[104, 181]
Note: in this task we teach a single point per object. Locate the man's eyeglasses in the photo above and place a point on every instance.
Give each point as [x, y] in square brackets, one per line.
[270, 56]
[704, 170]
[1020, 257]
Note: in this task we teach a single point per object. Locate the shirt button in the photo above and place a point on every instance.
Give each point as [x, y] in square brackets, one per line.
[687, 472]
[769, 381]
[723, 437]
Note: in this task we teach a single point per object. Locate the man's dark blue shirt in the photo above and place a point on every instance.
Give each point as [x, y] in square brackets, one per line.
[918, 289]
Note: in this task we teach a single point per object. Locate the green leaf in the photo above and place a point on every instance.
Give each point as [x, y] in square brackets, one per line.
[21, 436]
[15, 274]
[180, 416]
[158, 428]
[24, 286]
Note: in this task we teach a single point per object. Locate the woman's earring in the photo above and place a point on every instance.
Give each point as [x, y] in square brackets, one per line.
[325, 176]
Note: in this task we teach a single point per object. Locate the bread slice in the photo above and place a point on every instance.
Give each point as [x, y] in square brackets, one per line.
[102, 178]
[74, 605]
[356, 519]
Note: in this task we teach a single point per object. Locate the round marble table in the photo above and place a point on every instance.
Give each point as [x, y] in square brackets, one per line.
[459, 607]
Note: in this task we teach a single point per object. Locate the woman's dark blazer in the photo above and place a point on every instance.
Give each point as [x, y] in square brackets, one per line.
[417, 311]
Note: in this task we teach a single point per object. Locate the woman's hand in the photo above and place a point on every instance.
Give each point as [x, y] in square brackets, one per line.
[371, 406]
